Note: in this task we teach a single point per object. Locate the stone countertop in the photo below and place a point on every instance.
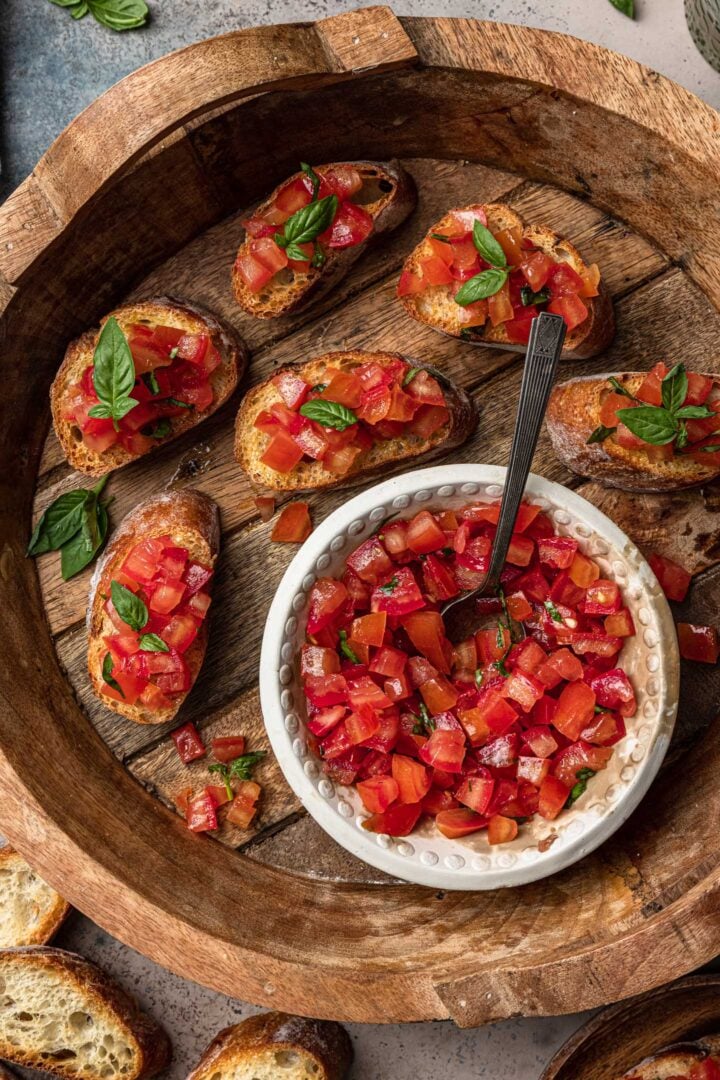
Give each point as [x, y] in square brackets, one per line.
[52, 68]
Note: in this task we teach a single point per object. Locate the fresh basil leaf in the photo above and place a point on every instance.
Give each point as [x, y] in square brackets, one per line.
[346, 650]
[308, 222]
[75, 554]
[439, 236]
[600, 434]
[674, 388]
[390, 585]
[59, 523]
[150, 380]
[479, 677]
[119, 14]
[706, 449]
[319, 258]
[64, 3]
[428, 722]
[529, 297]
[161, 429]
[499, 666]
[173, 352]
[620, 389]
[312, 176]
[694, 412]
[113, 373]
[490, 250]
[107, 674]
[179, 404]
[79, 10]
[682, 436]
[627, 7]
[553, 611]
[481, 287]
[153, 643]
[242, 767]
[500, 636]
[329, 414]
[129, 607]
[411, 375]
[294, 251]
[651, 423]
[222, 769]
[319, 387]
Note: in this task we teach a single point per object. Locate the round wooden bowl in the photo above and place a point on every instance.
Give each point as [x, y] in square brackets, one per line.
[144, 193]
[617, 1039]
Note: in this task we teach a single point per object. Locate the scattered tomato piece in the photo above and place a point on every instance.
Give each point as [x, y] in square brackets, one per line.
[294, 524]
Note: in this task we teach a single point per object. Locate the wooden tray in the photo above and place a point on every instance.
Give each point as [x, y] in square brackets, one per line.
[619, 1038]
[144, 193]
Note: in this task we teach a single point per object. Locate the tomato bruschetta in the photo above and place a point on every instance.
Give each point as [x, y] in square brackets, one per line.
[641, 431]
[482, 274]
[152, 370]
[683, 1061]
[305, 237]
[347, 414]
[149, 599]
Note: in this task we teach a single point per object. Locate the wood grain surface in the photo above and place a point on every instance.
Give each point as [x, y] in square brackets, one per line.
[481, 113]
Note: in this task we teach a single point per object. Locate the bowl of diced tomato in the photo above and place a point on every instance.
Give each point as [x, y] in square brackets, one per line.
[489, 762]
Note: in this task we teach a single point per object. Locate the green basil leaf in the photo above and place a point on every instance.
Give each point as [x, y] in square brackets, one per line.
[79, 10]
[161, 429]
[706, 449]
[651, 423]
[490, 250]
[179, 404]
[319, 387]
[242, 767]
[82, 548]
[479, 677]
[620, 389]
[107, 674]
[153, 643]
[308, 222]
[529, 297]
[682, 436]
[427, 719]
[150, 380]
[694, 412]
[439, 236]
[481, 287]
[313, 177]
[64, 3]
[119, 14]
[328, 414]
[129, 607]
[59, 523]
[411, 375]
[600, 434]
[627, 7]
[390, 586]
[222, 769]
[113, 373]
[674, 388]
[346, 649]
[553, 611]
[319, 258]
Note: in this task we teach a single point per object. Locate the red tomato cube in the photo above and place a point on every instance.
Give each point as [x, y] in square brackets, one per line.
[553, 796]
[412, 778]
[202, 812]
[557, 551]
[369, 629]
[188, 743]
[698, 643]
[426, 631]
[378, 793]
[476, 792]
[327, 598]
[460, 822]
[541, 740]
[399, 595]
[674, 580]
[439, 694]
[602, 598]
[620, 624]
[398, 820]
[362, 724]
[445, 749]
[501, 830]
[524, 689]
[424, 534]
[575, 709]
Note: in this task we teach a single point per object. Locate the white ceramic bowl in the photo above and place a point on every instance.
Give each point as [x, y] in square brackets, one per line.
[426, 857]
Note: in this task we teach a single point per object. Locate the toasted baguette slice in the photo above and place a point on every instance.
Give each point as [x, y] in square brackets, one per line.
[437, 308]
[30, 911]
[274, 1045]
[61, 1014]
[573, 413]
[250, 444]
[158, 311]
[193, 521]
[673, 1061]
[388, 194]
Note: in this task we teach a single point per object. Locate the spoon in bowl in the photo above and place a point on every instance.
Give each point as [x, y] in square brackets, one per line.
[547, 336]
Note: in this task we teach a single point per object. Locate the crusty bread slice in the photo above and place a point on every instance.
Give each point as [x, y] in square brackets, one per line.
[436, 305]
[250, 444]
[573, 413]
[62, 1014]
[388, 194]
[158, 311]
[273, 1046]
[193, 521]
[30, 911]
[676, 1060]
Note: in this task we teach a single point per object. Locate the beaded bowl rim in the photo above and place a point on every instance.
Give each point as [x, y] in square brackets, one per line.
[426, 857]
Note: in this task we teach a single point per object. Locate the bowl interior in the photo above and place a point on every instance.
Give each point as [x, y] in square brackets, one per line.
[541, 847]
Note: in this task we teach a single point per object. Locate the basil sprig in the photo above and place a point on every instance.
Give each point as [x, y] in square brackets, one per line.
[530, 298]
[129, 607]
[306, 224]
[107, 674]
[658, 425]
[329, 414]
[312, 177]
[578, 789]
[553, 611]
[113, 374]
[153, 643]
[76, 524]
[487, 282]
[627, 7]
[114, 14]
[240, 768]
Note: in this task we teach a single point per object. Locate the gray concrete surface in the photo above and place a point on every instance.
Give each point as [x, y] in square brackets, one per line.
[51, 68]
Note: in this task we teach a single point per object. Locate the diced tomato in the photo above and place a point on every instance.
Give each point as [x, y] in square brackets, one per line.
[323, 721]
[378, 793]
[202, 812]
[518, 606]
[553, 796]
[398, 820]
[324, 690]
[244, 806]
[476, 791]
[454, 824]
[352, 225]
[439, 580]
[445, 749]
[362, 724]
[399, 595]
[188, 743]
[564, 281]
[521, 550]
[369, 629]
[613, 690]
[426, 389]
[524, 689]
[327, 598]
[364, 691]
[561, 665]
[580, 755]
[699, 387]
[494, 711]
[228, 747]
[699, 643]
[167, 595]
[541, 741]
[412, 778]
[435, 271]
[620, 624]
[181, 631]
[426, 631]
[254, 273]
[571, 308]
[575, 709]
[292, 389]
[536, 267]
[439, 694]
[293, 196]
[427, 420]
[424, 534]
[591, 280]
[294, 525]
[370, 561]
[501, 830]
[674, 580]
[492, 644]
[583, 571]
[196, 577]
[602, 598]
[557, 551]
[500, 307]
[345, 388]
[608, 410]
[410, 284]
[389, 662]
